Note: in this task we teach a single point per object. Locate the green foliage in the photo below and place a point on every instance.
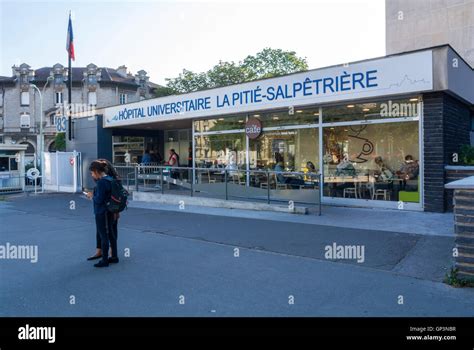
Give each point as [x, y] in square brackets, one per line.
[265, 64]
[162, 91]
[467, 155]
[453, 280]
[188, 81]
[60, 141]
[270, 63]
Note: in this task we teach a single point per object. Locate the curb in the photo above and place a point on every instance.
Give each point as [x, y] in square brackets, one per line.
[215, 203]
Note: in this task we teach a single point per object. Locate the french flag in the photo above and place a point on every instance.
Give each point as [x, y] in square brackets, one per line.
[70, 40]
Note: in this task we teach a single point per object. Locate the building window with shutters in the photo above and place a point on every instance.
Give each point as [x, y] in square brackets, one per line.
[58, 98]
[123, 99]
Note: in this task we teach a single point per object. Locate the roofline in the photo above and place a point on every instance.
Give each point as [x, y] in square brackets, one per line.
[433, 48]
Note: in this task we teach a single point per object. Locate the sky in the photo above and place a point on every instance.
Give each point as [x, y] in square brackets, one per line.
[165, 37]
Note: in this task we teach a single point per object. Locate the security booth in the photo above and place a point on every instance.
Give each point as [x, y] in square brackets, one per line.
[379, 132]
[12, 167]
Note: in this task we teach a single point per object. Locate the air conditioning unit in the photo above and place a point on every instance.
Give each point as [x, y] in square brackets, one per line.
[25, 121]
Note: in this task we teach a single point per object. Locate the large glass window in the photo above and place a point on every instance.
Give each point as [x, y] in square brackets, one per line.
[378, 160]
[221, 151]
[400, 108]
[375, 161]
[220, 124]
[4, 164]
[284, 118]
[285, 150]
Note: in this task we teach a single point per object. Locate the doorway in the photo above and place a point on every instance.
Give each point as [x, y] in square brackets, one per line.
[180, 141]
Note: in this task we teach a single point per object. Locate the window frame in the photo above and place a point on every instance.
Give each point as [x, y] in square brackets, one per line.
[125, 98]
[56, 94]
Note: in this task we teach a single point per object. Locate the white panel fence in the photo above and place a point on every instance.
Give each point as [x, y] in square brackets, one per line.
[62, 172]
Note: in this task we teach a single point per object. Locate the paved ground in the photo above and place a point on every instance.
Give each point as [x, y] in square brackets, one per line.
[416, 222]
[180, 253]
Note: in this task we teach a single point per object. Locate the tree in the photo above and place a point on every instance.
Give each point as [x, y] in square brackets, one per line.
[60, 141]
[161, 91]
[272, 63]
[227, 73]
[188, 81]
[265, 64]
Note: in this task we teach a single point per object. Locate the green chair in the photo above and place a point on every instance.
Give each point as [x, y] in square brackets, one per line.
[410, 196]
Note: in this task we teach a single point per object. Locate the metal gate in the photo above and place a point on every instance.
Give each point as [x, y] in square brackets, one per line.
[61, 172]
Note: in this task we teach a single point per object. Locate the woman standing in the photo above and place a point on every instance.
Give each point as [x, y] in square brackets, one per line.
[106, 222]
[173, 161]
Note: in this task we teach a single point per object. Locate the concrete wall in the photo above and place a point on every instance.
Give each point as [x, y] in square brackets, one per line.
[416, 24]
[85, 141]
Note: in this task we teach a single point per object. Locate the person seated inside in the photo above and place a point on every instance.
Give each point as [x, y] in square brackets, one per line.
[310, 166]
[345, 167]
[281, 179]
[279, 168]
[409, 171]
[310, 170]
[383, 175]
[382, 172]
[231, 163]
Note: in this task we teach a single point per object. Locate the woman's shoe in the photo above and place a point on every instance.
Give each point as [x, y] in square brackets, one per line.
[94, 257]
[101, 264]
[113, 260]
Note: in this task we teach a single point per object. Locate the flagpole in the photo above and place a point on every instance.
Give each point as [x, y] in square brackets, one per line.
[69, 93]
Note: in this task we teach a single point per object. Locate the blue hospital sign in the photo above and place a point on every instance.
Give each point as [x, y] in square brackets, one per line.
[380, 77]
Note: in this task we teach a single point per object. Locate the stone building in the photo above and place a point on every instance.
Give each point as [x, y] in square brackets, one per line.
[91, 86]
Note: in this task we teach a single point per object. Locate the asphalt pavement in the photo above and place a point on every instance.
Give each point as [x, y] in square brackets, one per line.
[180, 263]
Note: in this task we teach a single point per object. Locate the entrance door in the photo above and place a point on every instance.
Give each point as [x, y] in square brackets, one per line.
[180, 141]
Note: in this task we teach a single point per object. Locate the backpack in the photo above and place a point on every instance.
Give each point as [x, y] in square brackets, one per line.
[118, 197]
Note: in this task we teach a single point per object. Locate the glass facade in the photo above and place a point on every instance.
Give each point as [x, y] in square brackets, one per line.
[293, 148]
[220, 151]
[219, 124]
[286, 118]
[375, 161]
[400, 108]
[365, 151]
